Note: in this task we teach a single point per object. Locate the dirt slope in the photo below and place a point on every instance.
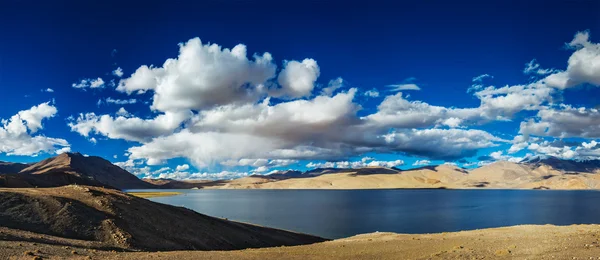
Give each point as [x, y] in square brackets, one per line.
[113, 219]
[518, 242]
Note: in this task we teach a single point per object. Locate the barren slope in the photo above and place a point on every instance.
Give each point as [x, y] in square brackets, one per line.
[112, 219]
[518, 242]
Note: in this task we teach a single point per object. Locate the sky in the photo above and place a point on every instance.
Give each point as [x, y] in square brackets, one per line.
[225, 89]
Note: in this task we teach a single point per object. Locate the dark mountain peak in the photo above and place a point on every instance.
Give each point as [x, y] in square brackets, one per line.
[69, 168]
[11, 168]
[564, 164]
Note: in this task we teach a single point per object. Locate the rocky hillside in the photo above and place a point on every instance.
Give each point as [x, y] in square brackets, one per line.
[107, 218]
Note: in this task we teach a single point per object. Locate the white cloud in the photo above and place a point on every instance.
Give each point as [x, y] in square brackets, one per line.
[519, 143]
[356, 164]
[566, 121]
[297, 79]
[63, 150]
[214, 106]
[122, 112]
[421, 162]
[555, 149]
[533, 67]
[49, 90]
[183, 167]
[481, 77]
[372, 93]
[89, 83]
[118, 72]
[583, 65]
[128, 128]
[333, 85]
[203, 76]
[440, 143]
[503, 103]
[34, 116]
[400, 87]
[16, 133]
[110, 100]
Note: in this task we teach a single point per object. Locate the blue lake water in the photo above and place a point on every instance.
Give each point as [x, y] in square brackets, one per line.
[343, 213]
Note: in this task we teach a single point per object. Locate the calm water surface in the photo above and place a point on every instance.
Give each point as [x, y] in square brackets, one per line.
[343, 213]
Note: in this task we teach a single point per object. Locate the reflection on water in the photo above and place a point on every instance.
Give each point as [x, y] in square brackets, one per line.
[343, 213]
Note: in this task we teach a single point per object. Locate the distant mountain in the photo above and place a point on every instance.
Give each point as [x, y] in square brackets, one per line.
[565, 165]
[12, 168]
[544, 173]
[179, 184]
[73, 168]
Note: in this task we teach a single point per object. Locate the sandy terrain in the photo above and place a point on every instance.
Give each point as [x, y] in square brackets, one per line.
[499, 175]
[518, 242]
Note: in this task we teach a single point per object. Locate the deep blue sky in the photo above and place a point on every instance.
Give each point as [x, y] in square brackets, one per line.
[370, 44]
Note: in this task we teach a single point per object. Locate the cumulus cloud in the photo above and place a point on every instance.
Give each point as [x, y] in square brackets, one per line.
[503, 103]
[89, 83]
[297, 79]
[396, 111]
[118, 72]
[583, 65]
[205, 76]
[183, 167]
[128, 128]
[122, 112]
[372, 93]
[441, 143]
[49, 90]
[215, 106]
[16, 133]
[564, 121]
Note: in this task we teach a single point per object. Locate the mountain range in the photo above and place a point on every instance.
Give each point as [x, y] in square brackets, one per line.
[536, 173]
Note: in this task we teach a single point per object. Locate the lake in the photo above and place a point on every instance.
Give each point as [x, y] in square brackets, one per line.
[344, 213]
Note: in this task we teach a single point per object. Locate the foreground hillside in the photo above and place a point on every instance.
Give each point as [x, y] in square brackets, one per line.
[518, 242]
[95, 217]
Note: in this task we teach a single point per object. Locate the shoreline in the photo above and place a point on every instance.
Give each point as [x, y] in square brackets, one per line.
[151, 194]
[360, 189]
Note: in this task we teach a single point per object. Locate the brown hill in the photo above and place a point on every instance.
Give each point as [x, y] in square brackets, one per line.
[74, 168]
[442, 176]
[550, 173]
[179, 184]
[106, 218]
